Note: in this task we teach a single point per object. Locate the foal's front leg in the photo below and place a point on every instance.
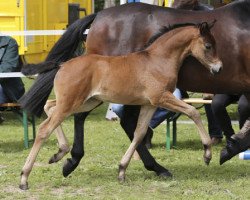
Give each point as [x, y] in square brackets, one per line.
[145, 116]
[169, 101]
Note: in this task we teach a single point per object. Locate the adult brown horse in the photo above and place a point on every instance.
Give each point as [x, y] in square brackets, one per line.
[147, 78]
[127, 28]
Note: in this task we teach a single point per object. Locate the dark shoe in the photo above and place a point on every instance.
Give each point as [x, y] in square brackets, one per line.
[215, 140]
[148, 138]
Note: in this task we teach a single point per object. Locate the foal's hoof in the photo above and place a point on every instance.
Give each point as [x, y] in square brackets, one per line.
[24, 186]
[53, 159]
[60, 154]
[232, 148]
[207, 156]
[121, 179]
[207, 160]
[69, 166]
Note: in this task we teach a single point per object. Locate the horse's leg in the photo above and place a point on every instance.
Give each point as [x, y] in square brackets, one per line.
[45, 129]
[77, 151]
[61, 138]
[146, 114]
[239, 143]
[128, 123]
[169, 101]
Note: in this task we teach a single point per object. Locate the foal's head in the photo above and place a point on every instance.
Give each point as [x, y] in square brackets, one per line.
[203, 48]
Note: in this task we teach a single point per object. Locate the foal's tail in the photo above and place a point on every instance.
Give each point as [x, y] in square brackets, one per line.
[34, 100]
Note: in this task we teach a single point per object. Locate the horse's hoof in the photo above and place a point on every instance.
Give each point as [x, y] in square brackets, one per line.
[24, 186]
[69, 166]
[232, 148]
[224, 156]
[165, 174]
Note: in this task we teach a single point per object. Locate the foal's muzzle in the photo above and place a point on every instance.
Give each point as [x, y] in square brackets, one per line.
[216, 68]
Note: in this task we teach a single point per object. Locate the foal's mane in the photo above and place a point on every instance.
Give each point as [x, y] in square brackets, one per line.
[165, 29]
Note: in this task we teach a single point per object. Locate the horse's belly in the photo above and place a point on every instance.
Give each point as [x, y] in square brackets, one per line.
[122, 99]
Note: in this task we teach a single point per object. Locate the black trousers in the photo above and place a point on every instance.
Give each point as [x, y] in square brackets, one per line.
[214, 129]
[219, 104]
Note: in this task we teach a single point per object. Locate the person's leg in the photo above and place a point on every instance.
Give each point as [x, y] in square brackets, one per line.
[214, 129]
[219, 104]
[158, 117]
[3, 98]
[243, 109]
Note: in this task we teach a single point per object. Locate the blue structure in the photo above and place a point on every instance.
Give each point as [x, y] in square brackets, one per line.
[131, 1]
[245, 155]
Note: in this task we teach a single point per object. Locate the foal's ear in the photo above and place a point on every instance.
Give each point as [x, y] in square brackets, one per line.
[210, 25]
[204, 28]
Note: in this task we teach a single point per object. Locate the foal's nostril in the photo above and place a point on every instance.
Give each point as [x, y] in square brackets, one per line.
[216, 68]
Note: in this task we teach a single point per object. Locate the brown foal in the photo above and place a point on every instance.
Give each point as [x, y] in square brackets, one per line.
[146, 78]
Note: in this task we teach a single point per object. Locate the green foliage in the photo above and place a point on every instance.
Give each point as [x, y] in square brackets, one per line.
[96, 176]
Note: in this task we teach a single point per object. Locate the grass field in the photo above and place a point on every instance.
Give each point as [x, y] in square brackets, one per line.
[96, 176]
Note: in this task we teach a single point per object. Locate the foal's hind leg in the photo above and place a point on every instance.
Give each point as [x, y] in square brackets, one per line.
[145, 116]
[61, 138]
[45, 129]
[169, 101]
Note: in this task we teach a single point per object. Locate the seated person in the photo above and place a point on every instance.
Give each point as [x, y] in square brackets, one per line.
[11, 89]
[219, 104]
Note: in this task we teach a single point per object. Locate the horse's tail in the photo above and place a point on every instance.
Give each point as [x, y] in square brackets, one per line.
[34, 100]
[64, 49]
[32, 69]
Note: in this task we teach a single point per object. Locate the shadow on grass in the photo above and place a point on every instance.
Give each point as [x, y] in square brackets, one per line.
[194, 144]
[229, 172]
[184, 172]
[17, 146]
[11, 146]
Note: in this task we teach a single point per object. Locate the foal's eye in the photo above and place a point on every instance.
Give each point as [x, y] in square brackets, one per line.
[208, 46]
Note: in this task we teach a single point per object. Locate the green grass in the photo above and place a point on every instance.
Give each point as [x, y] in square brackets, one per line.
[96, 176]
